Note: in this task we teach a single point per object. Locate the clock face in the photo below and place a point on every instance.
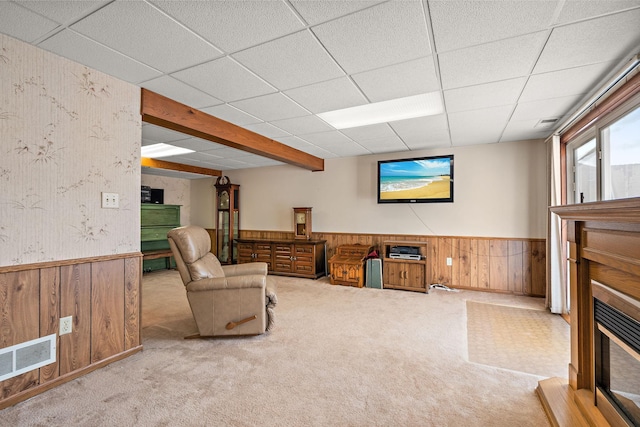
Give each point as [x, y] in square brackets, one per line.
[223, 202]
[300, 218]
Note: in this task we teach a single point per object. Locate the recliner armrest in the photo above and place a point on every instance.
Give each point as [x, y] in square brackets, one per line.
[245, 268]
[233, 282]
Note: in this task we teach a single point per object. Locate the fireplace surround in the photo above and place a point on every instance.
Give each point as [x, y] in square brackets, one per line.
[604, 282]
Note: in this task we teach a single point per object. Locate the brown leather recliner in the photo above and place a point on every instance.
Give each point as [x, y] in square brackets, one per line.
[225, 300]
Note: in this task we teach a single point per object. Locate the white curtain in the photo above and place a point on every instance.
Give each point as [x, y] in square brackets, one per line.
[557, 287]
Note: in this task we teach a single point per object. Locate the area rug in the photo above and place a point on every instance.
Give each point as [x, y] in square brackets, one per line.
[519, 339]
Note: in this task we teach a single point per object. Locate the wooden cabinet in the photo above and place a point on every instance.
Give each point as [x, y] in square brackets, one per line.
[255, 251]
[286, 257]
[404, 273]
[155, 222]
[346, 267]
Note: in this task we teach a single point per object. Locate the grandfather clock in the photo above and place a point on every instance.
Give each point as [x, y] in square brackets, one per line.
[302, 223]
[228, 220]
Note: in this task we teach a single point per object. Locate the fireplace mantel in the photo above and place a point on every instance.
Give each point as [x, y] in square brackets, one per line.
[604, 245]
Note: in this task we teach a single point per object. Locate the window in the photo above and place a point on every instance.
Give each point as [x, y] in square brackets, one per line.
[621, 157]
[604, 163]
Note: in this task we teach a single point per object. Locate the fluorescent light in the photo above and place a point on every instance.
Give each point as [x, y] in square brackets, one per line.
[427, 104]
[163, 150]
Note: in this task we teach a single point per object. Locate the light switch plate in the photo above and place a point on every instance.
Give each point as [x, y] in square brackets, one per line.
[110, 200]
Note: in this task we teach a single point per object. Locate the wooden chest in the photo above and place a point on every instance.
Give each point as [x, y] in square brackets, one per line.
[347, 265]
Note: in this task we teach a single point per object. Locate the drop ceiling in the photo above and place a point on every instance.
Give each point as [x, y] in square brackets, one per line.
[270, 66]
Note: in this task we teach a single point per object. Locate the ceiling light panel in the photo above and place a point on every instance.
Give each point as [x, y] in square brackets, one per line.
[385, 111]
[156, 151]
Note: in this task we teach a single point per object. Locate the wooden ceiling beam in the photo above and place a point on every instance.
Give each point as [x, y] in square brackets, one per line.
[162, 164]
[165, 112]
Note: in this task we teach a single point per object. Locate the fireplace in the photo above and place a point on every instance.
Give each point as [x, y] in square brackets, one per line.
[616, 355]
[603, 383]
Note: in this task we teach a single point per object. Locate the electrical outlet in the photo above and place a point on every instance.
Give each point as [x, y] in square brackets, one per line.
[66, 325]
[110, 200]
[449, 262]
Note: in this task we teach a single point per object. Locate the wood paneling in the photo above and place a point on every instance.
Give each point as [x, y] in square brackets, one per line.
[107, 302]
[50, 315]
[515, 266]
[103, 296]
[75, 300]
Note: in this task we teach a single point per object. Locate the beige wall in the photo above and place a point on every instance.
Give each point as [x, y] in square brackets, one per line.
[499, 191]
[68, 134]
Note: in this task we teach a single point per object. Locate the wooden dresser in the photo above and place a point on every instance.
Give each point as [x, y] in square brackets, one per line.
[299, 258]
[155, 222]
[346, 267]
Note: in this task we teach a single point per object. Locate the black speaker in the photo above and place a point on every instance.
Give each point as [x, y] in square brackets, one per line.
[157, 195]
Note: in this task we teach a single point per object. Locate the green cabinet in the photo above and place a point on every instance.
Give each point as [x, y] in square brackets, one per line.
[155, 222]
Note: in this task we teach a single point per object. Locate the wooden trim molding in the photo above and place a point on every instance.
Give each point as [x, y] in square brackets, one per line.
[48, 264]
[621, 95]
[165, 112]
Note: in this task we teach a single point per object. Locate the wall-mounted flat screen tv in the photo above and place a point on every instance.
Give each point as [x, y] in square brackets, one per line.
[418, 180]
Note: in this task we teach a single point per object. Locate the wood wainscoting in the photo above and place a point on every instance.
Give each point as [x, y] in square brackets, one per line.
[103, 296]
[516, 266]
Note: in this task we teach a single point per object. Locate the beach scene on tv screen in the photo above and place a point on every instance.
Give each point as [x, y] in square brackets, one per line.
[416, 179]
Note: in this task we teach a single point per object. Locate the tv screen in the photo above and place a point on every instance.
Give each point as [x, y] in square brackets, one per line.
[418, 180]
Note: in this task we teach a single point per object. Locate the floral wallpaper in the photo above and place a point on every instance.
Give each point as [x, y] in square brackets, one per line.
[67, 134]
[177, 191]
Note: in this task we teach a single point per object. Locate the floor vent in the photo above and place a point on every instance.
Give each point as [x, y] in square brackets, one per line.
[27, 356]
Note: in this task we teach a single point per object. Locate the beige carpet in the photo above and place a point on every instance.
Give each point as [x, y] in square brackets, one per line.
[339, 356]
[525, 340]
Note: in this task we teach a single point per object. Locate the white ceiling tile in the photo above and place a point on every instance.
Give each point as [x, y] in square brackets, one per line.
[234, 25]
[291, 61]
[62, 11]
[504, 92]
[303, 125]
[382, 35]
[78, 48]
[294, 141]
[225, 79]
[545, 108]
[399, 80]
[478, 126]
[363, 133]
[316, 11]
[267, 130]
[575, 10]
[198, 144]
[225, 152]
[256, 161]
[142, 32]
[22, 23]
[523, 130]
[178, 91]
[159, 134]
[327, 138]
[423, 131]
[572, 81]
[463, 23]
[588, 42]
[328, 96]
[275, 106]
[490, 62]
[231, 114]
[347, 150]
[384, 144]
